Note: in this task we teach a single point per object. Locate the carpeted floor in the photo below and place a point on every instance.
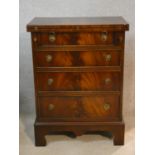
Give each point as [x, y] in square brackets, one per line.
[83, 145]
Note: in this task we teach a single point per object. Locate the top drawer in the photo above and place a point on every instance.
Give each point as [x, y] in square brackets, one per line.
[79, 38]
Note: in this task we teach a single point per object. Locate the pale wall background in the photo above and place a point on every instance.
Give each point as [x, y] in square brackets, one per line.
[72, 8]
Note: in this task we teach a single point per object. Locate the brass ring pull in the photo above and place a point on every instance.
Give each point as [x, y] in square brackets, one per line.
[106, 106]
[107, 80]
[107, 57]
[50, 81]
[121, 39]
[35, 28]
[52, 37]
[50, 107]
[49, 58]
[35, 39]
[104, 36]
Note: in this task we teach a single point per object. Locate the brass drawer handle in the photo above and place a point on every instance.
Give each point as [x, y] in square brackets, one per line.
[49, 58]
[35, 28]
[106, 106]
[121, 39]
[50, 81]
[50, 107]
[107, 80]
[107, 57]
[35, 39]
[52, 37]
[104, 36]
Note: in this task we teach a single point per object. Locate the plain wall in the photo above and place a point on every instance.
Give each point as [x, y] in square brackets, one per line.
[72, 8]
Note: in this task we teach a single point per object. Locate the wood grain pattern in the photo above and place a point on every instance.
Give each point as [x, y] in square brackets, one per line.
[79, 81]
[80, 69]
[76, 89]
[86, 108]
[50, 48]
[72, 24]
[78, 128]
[77, 58]
[75, 38]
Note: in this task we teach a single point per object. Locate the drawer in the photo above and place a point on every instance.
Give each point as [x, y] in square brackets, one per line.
[77, 58]
[74, 81]
[79, 38]
[85, 108]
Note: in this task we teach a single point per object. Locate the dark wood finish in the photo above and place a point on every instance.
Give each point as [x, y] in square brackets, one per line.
[84, 108]
[85, 38]
[78, 128]
[77, 58]
[109, 81]
[62, 39]
[78, 75]
[77, 93]
[79, 69]
[77, 48]
[72, 24]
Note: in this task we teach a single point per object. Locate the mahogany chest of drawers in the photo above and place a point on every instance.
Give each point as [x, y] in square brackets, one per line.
[78, 75]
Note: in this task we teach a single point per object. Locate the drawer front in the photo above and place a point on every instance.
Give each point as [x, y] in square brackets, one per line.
[82, 38]
[105, 107]
[77, 58]
[91, 81]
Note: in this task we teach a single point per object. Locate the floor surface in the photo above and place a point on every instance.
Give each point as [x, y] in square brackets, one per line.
[82, 145]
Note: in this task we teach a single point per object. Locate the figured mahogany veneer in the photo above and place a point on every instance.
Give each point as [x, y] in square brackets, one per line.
[83, 108]
[78, 75]
[77, 58]
[76, 38]
[78, 81]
